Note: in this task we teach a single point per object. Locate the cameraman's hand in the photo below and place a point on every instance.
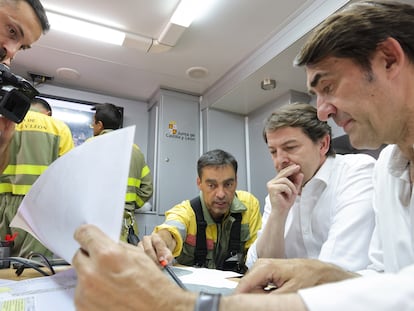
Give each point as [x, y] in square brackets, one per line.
[6, 134]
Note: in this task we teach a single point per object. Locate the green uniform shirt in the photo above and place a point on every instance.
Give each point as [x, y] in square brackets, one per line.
[37, 142]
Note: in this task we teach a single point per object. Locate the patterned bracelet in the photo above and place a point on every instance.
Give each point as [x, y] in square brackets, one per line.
[207, 302]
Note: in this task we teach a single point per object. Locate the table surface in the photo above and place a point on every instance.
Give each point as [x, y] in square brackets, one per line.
[28, 273]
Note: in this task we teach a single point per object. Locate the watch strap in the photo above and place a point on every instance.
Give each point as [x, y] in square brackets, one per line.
[207, 302]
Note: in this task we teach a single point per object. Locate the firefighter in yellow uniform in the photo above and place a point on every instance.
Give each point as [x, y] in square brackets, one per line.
[213, 230]
[139, 187]
[38, 140]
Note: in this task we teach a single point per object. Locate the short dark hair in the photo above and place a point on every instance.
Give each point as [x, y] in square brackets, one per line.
[40, 13]
[109, 115]
[43, 103]
[356, 31]
[303, 116]
[215, 157]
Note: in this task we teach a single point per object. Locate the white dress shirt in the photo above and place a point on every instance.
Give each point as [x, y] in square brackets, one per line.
[391, 250]
[332, 220]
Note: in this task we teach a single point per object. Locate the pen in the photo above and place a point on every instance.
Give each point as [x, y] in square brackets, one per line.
[166, 267]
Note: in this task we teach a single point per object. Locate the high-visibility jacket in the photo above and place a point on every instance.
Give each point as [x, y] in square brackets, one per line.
[37, 142]
[139, 189]
[139, 186]
[181, 222]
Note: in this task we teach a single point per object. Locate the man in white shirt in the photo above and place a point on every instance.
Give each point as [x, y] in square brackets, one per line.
[360, 66]
[319, 204]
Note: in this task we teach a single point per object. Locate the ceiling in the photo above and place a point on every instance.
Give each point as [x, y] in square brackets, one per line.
[239, 42]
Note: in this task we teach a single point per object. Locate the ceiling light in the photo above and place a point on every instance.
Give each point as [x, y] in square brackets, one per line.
[185, 13]
[188, 10]
[268, 84]
[85, 29]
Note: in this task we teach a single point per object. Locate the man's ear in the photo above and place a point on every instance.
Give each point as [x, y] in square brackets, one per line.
[100, 125]
[199, 183]
[392, 53]
[325, 143]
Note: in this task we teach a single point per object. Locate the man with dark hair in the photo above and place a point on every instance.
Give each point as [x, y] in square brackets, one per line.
[40, 105]
[29, 21]
[107, 118]
[213, 230]
[319, 204]
[360, 66]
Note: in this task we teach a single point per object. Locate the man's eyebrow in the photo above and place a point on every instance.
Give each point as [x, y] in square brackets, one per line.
[229, 180]
[214, 181]
[315, 82]
[20, 30]
[316, 79]
[21, 34]
[287, 142]
[209, 180]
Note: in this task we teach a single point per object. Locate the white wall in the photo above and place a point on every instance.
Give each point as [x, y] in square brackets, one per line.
[226, 131]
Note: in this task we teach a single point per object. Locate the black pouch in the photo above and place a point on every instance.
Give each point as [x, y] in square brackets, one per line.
[235, 263]
[132, 238]
[5, 249]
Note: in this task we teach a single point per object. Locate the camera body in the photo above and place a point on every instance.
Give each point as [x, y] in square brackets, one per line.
[16, 95]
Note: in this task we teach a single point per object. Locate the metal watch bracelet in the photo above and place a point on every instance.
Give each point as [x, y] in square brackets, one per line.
[207, 302]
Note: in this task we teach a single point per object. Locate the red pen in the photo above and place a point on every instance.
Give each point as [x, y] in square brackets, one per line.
[166, 267]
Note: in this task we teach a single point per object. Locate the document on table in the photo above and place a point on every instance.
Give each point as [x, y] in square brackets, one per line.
[85, 186]
[207, 280]
[56, 292]
[40, 294]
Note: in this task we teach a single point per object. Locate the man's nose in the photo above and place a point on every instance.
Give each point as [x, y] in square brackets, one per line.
[8, 51]
[220, 193]
[325, 109]
[281, 160]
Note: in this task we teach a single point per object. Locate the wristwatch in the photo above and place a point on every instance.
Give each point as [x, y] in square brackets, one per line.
[207, 302]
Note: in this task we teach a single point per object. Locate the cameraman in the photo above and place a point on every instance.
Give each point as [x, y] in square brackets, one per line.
[21, 23]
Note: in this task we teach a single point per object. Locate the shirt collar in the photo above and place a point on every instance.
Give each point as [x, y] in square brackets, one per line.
[105, 131]
[236, 207]
[324, 172]
[398, 162]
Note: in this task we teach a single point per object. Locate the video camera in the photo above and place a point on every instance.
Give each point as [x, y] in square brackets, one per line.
[16, 95]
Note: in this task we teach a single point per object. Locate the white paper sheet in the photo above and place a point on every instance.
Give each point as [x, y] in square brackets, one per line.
[50, 293]
[56, 292]
[207, 280]
[86, 185]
